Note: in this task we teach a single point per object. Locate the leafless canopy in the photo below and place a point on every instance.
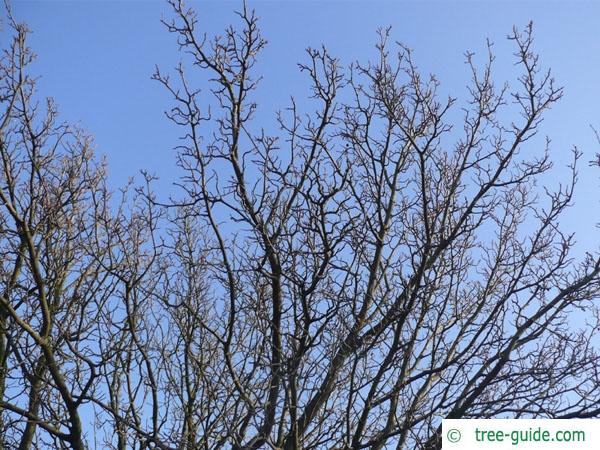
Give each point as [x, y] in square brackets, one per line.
[377, 262]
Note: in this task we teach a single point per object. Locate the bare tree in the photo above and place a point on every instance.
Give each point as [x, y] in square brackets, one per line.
[341, 282]
[375, 266]
[53, 284]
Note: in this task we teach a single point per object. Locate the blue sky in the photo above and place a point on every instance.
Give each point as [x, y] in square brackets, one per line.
[96, 58]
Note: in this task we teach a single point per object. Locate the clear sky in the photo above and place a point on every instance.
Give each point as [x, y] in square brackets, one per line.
[96, 59]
